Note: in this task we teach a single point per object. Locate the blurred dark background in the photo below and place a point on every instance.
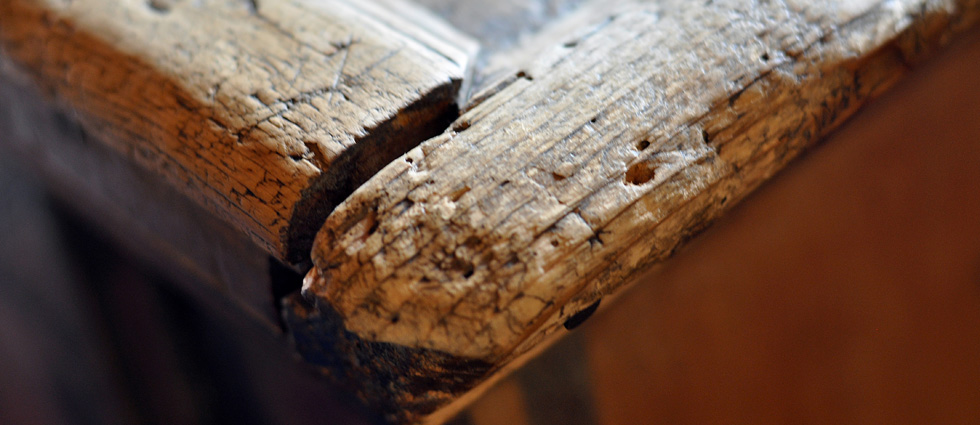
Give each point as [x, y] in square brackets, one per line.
[92, 335]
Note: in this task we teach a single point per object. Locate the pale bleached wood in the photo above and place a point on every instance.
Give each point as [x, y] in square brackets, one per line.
[601, 157]
[267, 112]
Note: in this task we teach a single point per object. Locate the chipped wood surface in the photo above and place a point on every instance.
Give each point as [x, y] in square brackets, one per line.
[592, 147]
[599, 158]
[266, 112]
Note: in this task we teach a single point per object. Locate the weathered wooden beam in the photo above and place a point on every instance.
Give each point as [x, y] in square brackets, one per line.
[590, 150]
[603, 155]
[268, 113]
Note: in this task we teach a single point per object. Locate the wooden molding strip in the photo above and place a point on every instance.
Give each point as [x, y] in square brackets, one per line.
[599, 158]
[267, 112]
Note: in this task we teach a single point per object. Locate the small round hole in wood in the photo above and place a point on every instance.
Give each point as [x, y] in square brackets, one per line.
[641, 173]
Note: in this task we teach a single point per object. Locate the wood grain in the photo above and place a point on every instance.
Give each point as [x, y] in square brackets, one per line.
[844, 291]
[135, 208]
[268, 113]
[591, 151]
[600, 157]
[851, 298]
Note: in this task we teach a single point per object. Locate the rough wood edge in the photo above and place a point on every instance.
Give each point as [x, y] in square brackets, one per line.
[840, 67]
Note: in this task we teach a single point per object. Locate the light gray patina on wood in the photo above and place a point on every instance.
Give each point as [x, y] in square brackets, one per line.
[267, 112]
[603, 154]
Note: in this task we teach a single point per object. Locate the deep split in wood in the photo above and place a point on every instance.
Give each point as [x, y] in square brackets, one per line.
[587, 152]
